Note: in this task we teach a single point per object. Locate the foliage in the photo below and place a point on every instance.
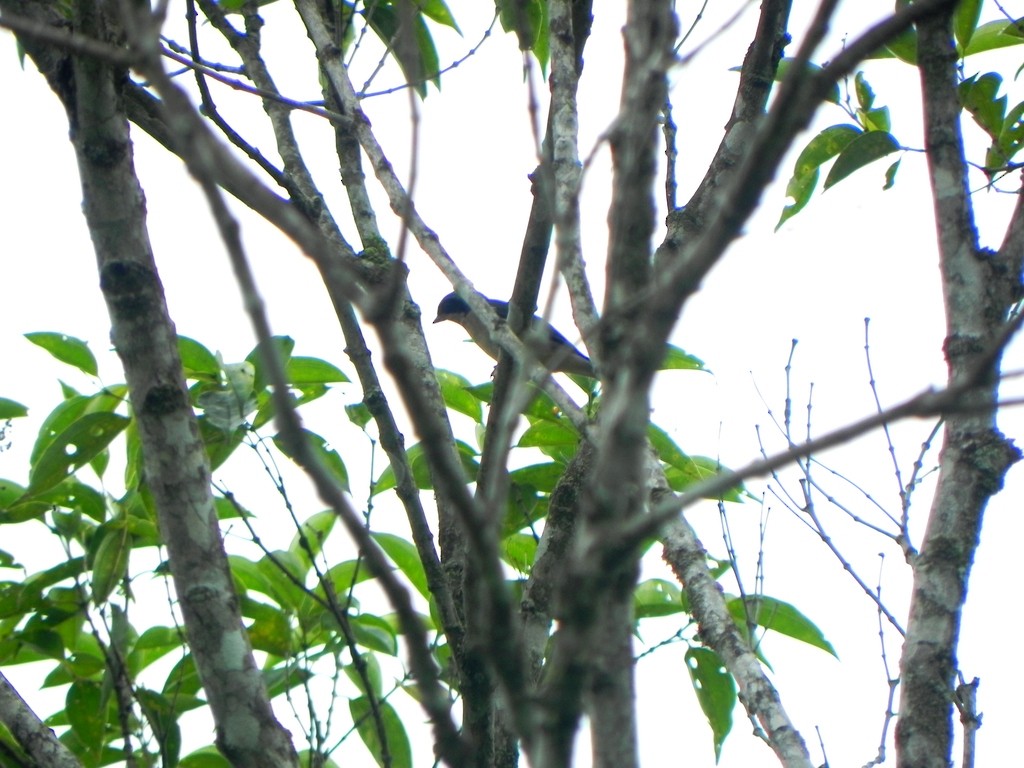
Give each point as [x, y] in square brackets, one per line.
[79, 617]
[858, 145]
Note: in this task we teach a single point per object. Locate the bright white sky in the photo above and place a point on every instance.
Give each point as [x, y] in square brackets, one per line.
[855, 252]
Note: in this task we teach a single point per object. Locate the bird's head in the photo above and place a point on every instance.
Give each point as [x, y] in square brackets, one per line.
[452, 307]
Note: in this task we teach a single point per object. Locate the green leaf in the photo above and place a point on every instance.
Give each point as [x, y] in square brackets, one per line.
[417, 462]
[1012, 135]
[965, 21]
[819, 150]
[786, 64]
[890, 175]
[358, 414]
[197, 360]
[529, 20]
[542, 40]
[152, 645]
[302, 371]
[248, 575]
[134, 469]
[342, 578]
[548, 434]
[995, 34]
[315, 759]
[261, 380]
[665, 446]
[309, 542]
[110, 563]
[11, 409]
[678, 360]
[695, 469]
[413, 49]
[282, 679]
[219, 445]
[876, 119]
[183, 679]
[658, 597]
[15, 510]
[19, 599]
[329, 458]
[979, 97]
[865, 95]
[404, 555]
[519, 550]
[161, 714]
[526, 506]
[86, 713]
[540, 477]
[227, 407]
[862, 151]
[70, 495]
[715, 691]
[436, 10]
[541, 407]
[69, 411]
[779, 617]
[47, 643]
[69, 569]
[67, 349]
[397, 747]
[73, 447]
[207, 757]
[902, 47]
[373, 675]
[456, 395]
[375, 633]
[684, 470]
[271, 631]
[284, 575]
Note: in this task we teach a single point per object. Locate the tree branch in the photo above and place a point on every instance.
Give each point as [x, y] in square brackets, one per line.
[978, 290]
[614, 491]
[38, 741]
[145, 340]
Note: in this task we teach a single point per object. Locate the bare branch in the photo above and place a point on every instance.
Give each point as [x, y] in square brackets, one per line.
[930, 402]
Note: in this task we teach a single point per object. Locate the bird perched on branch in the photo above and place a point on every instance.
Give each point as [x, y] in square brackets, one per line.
[557, 354]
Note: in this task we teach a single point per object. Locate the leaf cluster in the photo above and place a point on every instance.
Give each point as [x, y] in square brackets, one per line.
[855, 145]
[78, 617]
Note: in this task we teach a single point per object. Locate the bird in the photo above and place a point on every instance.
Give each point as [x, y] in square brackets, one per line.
[558, 353]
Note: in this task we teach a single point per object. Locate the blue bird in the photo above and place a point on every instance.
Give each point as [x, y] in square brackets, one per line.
[558, 353]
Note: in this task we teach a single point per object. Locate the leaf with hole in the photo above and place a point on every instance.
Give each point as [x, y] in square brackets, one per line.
[819, 150]
[73, 447]
[716, 692]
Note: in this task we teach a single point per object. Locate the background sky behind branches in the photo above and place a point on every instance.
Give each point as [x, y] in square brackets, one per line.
[854, 252]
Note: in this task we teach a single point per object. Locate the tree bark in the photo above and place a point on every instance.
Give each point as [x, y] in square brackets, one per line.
[176, 468]
[979, 289]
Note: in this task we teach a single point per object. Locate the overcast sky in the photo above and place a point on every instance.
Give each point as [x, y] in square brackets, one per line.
[854, 252]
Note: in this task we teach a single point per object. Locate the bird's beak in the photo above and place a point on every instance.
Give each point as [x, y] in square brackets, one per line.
[440, 318]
